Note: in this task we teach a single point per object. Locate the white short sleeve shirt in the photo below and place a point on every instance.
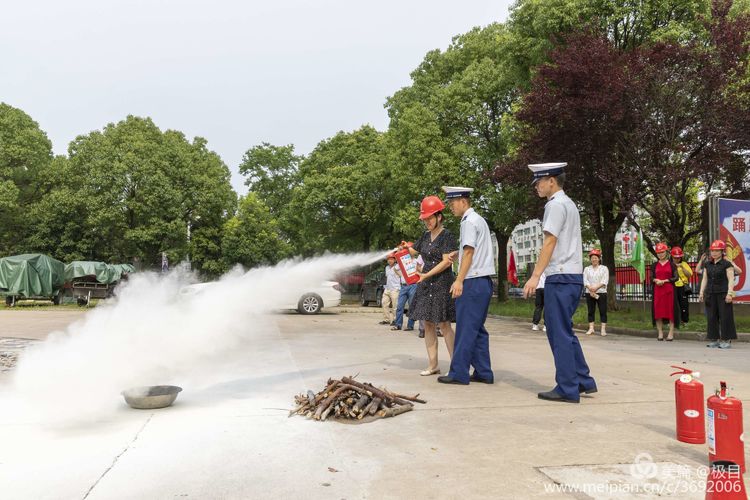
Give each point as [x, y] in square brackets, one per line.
[562, 220]
[475, 233]
[392, 280]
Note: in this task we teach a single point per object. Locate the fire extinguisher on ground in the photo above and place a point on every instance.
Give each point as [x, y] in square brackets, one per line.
[688, 396]
[725, 434]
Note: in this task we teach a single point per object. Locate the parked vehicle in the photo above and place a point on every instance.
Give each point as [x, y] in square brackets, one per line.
[372, 288]
[86, 280]
[327, 295]
[31, 276]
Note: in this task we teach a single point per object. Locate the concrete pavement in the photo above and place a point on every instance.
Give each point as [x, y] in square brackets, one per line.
[233, 439]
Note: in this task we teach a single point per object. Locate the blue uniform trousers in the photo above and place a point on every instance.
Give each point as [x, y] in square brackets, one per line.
[406, 294]
[562, 293]
[472, 345]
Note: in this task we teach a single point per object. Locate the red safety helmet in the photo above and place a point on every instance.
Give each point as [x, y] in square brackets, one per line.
[718, 245]
[661, 247]
[391, 255]
[677, 252]
[596, 252]
[430, 205]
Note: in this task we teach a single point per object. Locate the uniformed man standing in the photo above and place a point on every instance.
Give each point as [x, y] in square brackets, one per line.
[561, 260]
[472, 290]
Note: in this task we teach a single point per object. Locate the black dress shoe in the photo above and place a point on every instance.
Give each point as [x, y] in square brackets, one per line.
[421, 335]
[384, 322]
[554, 396]
[409, 329]
[476, 378]
[445, 379]
[587, 391]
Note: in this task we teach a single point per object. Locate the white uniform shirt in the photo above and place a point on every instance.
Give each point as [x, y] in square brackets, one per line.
[392, 280]
[598, 275]
[542, 278]
[562, 220]
[476, 233]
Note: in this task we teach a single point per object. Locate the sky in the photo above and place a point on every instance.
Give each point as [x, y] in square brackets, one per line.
[236, 73]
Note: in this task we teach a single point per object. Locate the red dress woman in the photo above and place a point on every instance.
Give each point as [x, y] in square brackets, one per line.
[663, 278]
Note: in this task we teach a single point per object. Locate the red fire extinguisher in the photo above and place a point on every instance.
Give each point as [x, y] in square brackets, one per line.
[407, 263]
[688, 396]
[725, 437]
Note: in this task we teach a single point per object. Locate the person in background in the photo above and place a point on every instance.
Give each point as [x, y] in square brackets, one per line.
[538, 305]
[595, 280]
[391, 291]
[432, 301]
[704, 259]
[717, 288]
[682, 285]
[663, 276]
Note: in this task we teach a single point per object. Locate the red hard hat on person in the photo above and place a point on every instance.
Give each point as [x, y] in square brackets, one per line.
[677, 252]
[661, 247]
[718, 245]
[596, 252]
[430, 205]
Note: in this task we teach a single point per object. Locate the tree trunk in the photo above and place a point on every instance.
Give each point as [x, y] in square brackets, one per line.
[366, 242]
[607, 239]
[502, 268]
[607, 221]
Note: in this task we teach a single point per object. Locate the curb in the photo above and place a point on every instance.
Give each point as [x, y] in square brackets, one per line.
[580, 328]
[632, 332]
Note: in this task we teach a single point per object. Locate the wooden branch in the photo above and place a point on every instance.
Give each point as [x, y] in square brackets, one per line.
[327, 402]
[374, 406]
[398, 410]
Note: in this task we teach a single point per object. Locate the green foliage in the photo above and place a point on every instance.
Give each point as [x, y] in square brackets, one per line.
[252, 237]
[25, 152]
[130, 192]
[272, 173]
[348, 192]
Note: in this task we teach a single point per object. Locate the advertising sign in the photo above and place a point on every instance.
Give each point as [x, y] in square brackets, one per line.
[734, 230]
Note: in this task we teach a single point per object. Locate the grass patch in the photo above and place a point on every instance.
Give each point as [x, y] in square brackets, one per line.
[628, 317]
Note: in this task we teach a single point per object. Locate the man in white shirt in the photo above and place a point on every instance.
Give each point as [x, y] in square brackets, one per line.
[390, 291]
[561, 260]
[472, 291]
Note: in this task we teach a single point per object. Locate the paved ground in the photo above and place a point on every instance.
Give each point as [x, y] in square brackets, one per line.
[234, 440]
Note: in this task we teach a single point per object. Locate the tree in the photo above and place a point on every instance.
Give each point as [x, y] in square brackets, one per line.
[346, 199]
[252, 237]
[448, 127]
[272, 173]
[25, 152]
[132, 191]
[673, 215]
[537, 26]
[639, 125]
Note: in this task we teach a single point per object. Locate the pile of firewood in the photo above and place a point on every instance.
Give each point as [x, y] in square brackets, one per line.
[349, 399]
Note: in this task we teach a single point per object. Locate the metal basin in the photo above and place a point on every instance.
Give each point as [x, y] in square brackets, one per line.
[151, 397]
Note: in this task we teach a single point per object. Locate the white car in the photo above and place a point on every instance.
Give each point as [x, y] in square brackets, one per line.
[328, 294]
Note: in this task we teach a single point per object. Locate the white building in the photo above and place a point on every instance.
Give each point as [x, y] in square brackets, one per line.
[526, 243]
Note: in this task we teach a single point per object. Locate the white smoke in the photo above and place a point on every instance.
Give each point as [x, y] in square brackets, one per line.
[151, 334]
